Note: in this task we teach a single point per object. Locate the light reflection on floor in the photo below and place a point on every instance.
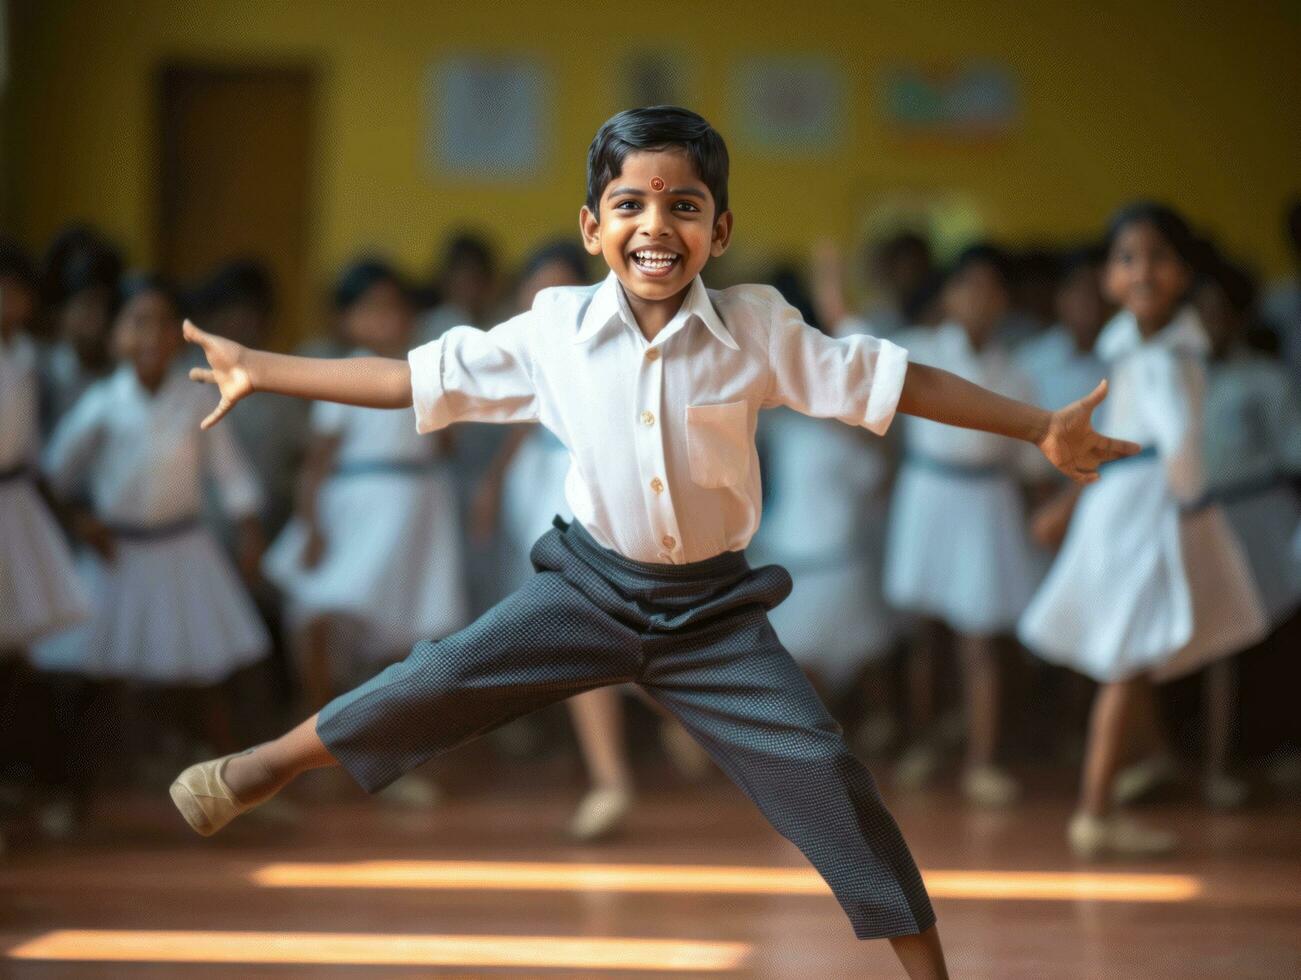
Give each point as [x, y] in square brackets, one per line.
[375, 949]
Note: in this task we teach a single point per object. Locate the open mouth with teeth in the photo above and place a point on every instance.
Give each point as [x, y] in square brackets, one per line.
[655, 262]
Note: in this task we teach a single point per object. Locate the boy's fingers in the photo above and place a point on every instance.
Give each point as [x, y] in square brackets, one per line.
[204, 375]
[1094, 398]
[216, 415]
[192, 333]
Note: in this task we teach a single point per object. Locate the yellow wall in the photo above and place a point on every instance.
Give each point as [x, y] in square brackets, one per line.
[1119, 99]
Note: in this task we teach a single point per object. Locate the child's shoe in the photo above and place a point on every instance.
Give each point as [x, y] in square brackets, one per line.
[1224, 792]
[990, 786]
[601, 812]
[1093, 837]
[1135, 782]
[204, 799]
[917, 766]
[411, 792]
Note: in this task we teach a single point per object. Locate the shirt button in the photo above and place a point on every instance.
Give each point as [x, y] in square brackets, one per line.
[657, 485]
[647, 418]
[669, 541]
[653, 354]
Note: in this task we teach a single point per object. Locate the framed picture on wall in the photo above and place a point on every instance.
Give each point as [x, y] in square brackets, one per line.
[977, 100]
[789, 105]
[485, 116]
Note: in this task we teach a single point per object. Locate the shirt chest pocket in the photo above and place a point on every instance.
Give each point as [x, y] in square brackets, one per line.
[718, 444]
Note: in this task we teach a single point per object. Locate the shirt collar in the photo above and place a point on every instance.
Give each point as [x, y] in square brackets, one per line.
[608, 303]
[1184, 334]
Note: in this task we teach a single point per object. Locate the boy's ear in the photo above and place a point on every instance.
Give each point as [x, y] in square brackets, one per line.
[590, 228]
[722, 234]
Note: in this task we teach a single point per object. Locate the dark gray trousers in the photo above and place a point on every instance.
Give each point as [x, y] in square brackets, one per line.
[696, 637]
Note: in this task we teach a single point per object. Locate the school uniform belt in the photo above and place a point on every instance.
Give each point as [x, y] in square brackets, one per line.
[1147, 452]
[153, 532]
[970, 471]
[16, 472]
[1231, 493]
[366, 467]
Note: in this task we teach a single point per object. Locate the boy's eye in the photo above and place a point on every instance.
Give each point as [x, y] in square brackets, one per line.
[686, 204]
[627, 204]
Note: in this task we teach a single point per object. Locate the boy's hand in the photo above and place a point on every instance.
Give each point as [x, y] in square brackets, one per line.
[225, 369]
[1074, 447]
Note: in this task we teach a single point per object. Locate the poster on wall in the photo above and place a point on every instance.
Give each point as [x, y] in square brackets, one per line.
[978, 100]
[485, 116]
[789, 105]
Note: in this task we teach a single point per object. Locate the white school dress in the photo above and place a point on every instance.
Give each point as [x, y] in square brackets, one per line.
[957, 545]
[39, 589]
[1253, 451]
[824, 521]
[533, 494]
[170, 608]
[1148, 580]
[388, 512]
[1058, 372]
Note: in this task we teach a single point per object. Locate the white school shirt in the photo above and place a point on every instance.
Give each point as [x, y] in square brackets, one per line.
[948, 347]
[1058, 370]
[18, 402]
[1253, 422]
[660, 434]
[370, 435]
[144, 455]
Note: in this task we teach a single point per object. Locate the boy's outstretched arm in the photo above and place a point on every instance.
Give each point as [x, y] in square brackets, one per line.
[1066, 436]
[238, 371]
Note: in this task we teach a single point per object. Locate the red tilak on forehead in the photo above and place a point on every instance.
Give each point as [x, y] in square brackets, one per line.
[657, 183]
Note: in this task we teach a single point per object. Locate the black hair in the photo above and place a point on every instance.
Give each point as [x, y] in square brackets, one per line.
[898, 245]
[1168, 222]
[926, 293]
[468, 248]
[1037, 262]
[16, 263]
[360, 277]
[1237, 284]
[238, 283]
[983, 253]
[1071, 260]
[564, 251]
[79, 258]
[660, 127]
[787, 280]
[138, 283]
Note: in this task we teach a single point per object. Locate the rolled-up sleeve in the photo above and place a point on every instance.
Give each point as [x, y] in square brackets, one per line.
[470, 375]
[857, 379]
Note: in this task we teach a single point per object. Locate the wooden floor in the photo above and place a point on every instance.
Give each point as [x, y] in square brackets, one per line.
[698, 886]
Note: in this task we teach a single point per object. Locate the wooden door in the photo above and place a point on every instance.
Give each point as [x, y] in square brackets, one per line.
[235, 179]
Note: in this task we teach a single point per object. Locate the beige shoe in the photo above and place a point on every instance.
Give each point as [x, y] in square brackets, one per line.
[601, 813]
[917, 767]
[1225, 792]
[411, 792]
[1094, 837]
[204, 799]
[990, 786]
[1144, 777]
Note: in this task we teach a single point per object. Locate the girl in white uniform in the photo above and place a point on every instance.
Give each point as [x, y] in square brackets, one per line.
[957, 547]
[1253, 450]
[373, 552]
[169, 608]
[39, 589]
[1149, 583]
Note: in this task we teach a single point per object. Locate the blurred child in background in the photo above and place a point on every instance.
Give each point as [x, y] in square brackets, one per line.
[957, 548]
[371, 562]
[1149, 582]
[835, 623]
[898, 267]
[82, 272]
[170, 612]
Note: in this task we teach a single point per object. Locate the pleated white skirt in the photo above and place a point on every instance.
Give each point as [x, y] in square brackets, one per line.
[40, 592]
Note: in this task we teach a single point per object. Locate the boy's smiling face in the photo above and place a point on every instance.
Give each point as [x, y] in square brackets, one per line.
[656, 228]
